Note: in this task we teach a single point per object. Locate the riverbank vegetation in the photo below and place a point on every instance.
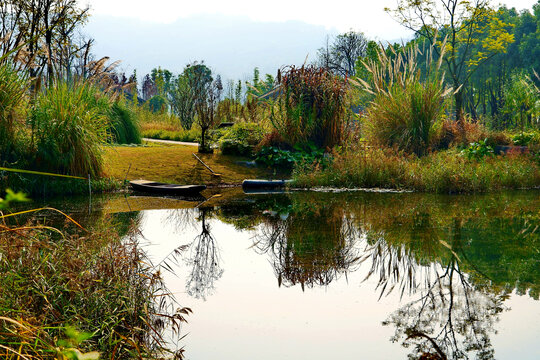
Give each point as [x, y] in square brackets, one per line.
[451, 105]
[80, 293]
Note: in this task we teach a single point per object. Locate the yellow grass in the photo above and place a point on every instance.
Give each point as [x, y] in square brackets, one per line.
[176, 164]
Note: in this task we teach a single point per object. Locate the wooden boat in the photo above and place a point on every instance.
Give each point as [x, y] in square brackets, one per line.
[264, 184]
[166, 189]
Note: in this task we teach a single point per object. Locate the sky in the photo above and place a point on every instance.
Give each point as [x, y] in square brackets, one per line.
[342, 15]
[233, 37]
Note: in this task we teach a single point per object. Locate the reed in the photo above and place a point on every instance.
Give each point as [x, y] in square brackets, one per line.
[442, 172]
[69, 126]
[310, 107]
[52, 282]
[408, 105]
[13, 105]
[124, 125]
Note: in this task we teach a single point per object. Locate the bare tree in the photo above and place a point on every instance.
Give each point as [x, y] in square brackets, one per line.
[205, 262]
[341, 56]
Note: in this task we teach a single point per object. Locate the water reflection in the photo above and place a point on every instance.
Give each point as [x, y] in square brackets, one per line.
[453, 261]
[451, 319]
[204, 260]
[308, 244]
[459, 268]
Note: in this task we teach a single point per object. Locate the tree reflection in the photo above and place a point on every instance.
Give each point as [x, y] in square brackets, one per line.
[452, 319]
[204, 261]
[308, 245]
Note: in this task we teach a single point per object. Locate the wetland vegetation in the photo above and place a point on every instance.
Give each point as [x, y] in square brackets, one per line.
[456, 109]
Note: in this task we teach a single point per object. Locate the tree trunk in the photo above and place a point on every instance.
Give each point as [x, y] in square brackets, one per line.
[458, 96]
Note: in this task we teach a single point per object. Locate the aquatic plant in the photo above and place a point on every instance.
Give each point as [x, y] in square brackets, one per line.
[53, 281]
[478, 150]
[443, 172]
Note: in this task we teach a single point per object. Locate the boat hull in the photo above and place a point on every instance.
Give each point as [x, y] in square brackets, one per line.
[165, 189]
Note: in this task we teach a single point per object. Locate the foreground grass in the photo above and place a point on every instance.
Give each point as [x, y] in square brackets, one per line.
[52, 283]
[176, 164]
[443, 172]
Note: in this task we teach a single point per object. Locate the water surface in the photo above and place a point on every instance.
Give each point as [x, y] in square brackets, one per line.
[348, 276]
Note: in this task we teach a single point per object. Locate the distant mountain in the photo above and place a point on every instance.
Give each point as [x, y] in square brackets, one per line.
[231, 46]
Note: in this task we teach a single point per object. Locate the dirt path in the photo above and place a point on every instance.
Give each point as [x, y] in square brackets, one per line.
[171, 142]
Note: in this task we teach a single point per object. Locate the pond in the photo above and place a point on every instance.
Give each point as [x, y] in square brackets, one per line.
[349, 275]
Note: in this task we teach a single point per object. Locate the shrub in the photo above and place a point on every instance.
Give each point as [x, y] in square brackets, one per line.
[524, 139]
[124, 126]
[310, 107]
[406, 109]
[450, 134]
[241, 139]
[478, 150]
[304, 156]
[69, 126]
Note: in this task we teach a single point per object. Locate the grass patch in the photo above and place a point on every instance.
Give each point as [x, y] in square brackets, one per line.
[442, 172]
[37, 185]
[167, 131]
[176, 164]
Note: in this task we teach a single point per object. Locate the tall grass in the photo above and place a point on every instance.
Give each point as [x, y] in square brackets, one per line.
[13, 86]
[406, 107]
[442, 172]
[95, 282]
[310, 107]
[69, 126]
[124, 126]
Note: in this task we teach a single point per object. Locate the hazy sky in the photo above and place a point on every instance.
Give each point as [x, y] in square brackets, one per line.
[361, 15]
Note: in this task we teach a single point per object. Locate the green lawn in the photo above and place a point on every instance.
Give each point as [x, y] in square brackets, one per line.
[176, 164]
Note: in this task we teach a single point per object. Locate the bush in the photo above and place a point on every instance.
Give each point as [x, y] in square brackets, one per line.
[124, 126]
[304, 156]
[69, 126]
[406, 108]
[478, 150]
[241, 139]
[192, 135]
[525, 139]
[311, 107]
[450, 133]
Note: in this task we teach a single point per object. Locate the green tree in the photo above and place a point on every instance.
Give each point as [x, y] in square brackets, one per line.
[456, 24]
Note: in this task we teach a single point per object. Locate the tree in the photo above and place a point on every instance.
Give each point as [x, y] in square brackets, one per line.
[207, 96]
[341, 56]
[183, 101]
[46, 28]
[459, 22]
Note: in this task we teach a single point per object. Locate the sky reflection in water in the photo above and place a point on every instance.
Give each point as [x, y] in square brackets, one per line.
[316, 275]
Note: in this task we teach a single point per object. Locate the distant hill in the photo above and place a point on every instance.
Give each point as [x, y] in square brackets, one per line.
[231, 46]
